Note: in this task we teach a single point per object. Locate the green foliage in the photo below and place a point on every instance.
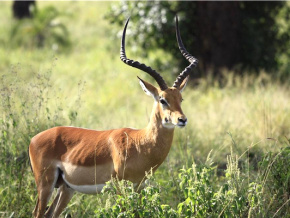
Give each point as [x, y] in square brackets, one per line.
[282, 20]
[205, 197]
[238, 40]
[151, 28]
[276, 179]
[26, 109]
[44, 29]
[202, 194]
[124, 201]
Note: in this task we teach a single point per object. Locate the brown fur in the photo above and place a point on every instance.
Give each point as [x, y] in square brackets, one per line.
[88, 157]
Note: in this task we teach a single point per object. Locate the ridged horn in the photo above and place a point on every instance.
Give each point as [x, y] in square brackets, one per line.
[139, 65]
[192, 60]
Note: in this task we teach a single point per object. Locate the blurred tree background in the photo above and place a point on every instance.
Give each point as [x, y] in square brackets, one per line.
[238, 36]
[38, 28]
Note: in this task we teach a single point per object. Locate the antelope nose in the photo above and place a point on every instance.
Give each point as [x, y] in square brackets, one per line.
[182, 120]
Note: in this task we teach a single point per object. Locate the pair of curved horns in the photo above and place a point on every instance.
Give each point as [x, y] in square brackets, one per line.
[192, 60]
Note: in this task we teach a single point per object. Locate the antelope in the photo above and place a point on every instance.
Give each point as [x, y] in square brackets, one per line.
[83, 160]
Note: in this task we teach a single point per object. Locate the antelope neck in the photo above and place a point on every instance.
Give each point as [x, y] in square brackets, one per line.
[161, 135]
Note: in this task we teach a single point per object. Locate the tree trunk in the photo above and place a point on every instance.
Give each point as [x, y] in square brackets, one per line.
[22, 9]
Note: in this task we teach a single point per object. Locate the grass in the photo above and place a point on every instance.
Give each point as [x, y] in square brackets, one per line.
[244, 125]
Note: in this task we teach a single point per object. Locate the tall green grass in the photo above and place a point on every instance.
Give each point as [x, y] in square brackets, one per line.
[242, 122]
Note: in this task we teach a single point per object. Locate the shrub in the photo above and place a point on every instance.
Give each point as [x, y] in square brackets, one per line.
[27, 108]
[275, 175]
[45, 29]
[124, 201]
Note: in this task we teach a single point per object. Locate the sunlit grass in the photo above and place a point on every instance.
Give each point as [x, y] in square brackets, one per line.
[90, 80]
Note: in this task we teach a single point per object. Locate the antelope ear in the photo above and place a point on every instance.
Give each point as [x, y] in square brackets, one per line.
[149, 89]
[183, 84]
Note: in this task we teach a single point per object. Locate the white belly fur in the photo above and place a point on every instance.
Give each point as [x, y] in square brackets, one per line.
[86, 189]
[88, 180]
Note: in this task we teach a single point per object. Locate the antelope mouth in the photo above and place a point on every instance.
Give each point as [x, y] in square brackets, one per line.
[181, 125]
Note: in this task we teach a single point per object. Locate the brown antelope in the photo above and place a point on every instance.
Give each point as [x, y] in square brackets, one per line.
[76, 159]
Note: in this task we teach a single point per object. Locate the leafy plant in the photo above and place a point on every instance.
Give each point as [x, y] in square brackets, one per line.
[205, 196]
[124, 201]
[250, 27]
[275, 174]
[44, 29]
[27, 108]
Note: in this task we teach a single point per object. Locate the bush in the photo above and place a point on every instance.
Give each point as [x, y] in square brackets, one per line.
[203, 193]
[45, 29]
[253, 36]
[27, 108]
[275, 175]
[124, 201]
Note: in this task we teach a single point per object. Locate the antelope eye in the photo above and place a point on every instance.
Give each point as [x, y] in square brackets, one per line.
[162, 101]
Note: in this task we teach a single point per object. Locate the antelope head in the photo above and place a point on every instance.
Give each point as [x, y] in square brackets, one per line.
[167, 99]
